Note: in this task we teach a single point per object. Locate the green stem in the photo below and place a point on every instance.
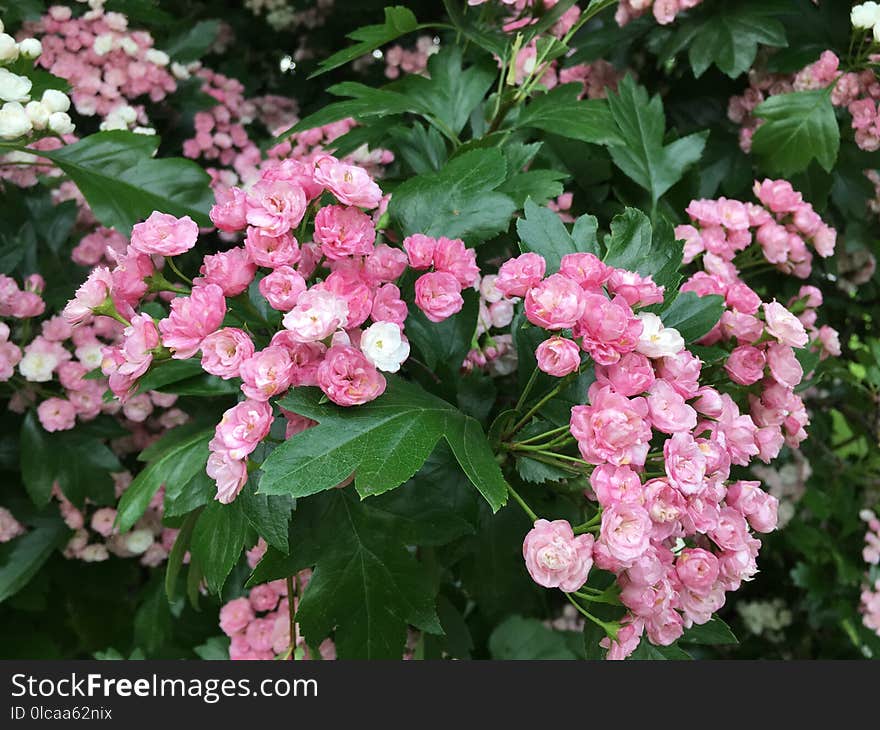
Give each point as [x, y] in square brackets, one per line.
[174, 268]
[541, 436]
[609, 629]
[529, 385]
[292, 588]
[589, 524]
[522, 503]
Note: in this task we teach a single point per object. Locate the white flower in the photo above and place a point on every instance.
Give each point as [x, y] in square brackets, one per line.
[14, 121]
[657, 340]
[14, 87]
[160, 58]
[103, 44]
[488, 290]
[148, 131]
[37, 367]
[383, 345]
[129, 46]
[60, 123]
[55, 100]
[8, 48]
[138, 541]
[90, 355]
[30, 48]
[865, 16]
[38, 113]
[179, 71]
[94, 553]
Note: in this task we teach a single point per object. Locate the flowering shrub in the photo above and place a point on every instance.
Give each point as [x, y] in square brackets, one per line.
[545, 319]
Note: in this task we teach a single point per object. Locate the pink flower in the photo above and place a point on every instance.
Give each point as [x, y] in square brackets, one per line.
[235, 616]
[783, 325]
[667, 409]
[756, 505]
[555, 558]
[317, 315]
[556, 303]
[438, 295]
[224, 351]
[230, 211]
[344, 231]
[164, 235]
[275, 206]
[388, 306]
[385, 264]
[56, 414]
[230, 475]
[586, 269]
[625, 531]
[517, 276]
[784, 366]
[139, 340]
[634, 288]
[682, 372]
[91, 294]
[778, 195]
[615, 484]
[271, 251]
[608, 328]
[745, 365]
[348, 378]
[825, 240]
[451, 256]
[263, 598]
[420, 250]
[558, 356]
[266, 373]
[685, 464]
[631, 375]
[352, 185]
[612, 428]
[282, 288]
[242, 428]
[231, 270]
[192, 319]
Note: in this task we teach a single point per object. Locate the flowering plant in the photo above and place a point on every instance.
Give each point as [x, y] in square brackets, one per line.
[482, 350]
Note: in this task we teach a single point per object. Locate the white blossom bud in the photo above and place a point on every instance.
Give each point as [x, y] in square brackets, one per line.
[30, 48]
[60, 123]
[14, 122]
[38, 113]
[56, 101]
[8, 48]
[14, 87]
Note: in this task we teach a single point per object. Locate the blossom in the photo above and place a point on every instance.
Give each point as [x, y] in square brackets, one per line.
[554, 304]
[555, 558]
[558, 356]
[783, 325]
[56, 414]
[344, 231]
[348, 378]
[657, 340]
[164, 235]
[231, 270]
[420, 250]
[612, 428]
[271, 250]
[192, 319]
[438, 295]
[241, 429]
[316, 315]
[351, 185]
[516, 276]
[745, 365]
[225, 350]
[92, 293]
[625, 531]
[384, 345]
[275, 206]
[266, 373]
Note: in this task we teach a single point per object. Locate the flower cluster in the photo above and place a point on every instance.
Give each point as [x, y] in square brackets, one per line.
[325, 292]
[96, 536]
[674, 527]
[20, 114]
[870, 606]
[283, 14]
[493, 351]
[106, 64]
[400, 60]
[664, 10]
[258, 624]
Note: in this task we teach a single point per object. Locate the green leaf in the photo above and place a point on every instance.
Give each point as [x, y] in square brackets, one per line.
[177, 554]
[538, 472]
[692, 315]
[728, 35]
[542, 231]
[398, 21]
[648, 651]
[153, 622]
[528, 638]
[21, 558]
[123, 184]
[459, 201]
[642, 155]
[715, 631]
[168, 372]
[634, 246]
[798, 127]
[81, 464]
[561, 112]
[451, 92]
[539, 185]
[175, 458]
[268, 515]
[217, 540]
[194, 42]
[444, 344]
[214, 649]
[366, 586]
[183, 497]
[421, 147]
[383, 443]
